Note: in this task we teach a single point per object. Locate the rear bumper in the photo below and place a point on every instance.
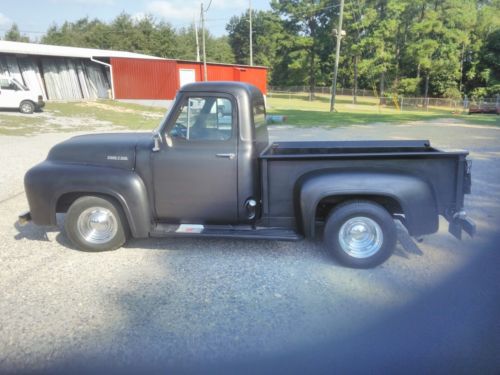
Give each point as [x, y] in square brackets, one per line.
[461, 222]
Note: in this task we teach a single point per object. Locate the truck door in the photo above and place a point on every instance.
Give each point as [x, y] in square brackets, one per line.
[195, 173]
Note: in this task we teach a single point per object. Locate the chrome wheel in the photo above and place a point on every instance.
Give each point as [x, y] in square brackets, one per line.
[361, 237]
[97, 225]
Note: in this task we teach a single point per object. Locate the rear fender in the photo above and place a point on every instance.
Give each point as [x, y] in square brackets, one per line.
[414, 195]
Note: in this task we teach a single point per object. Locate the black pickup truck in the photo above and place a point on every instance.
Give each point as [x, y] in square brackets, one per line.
[209, 170]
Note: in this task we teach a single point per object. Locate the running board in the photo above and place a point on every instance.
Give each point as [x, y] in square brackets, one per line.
[224, 231]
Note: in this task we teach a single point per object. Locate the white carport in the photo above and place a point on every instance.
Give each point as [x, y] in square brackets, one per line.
[60, 72]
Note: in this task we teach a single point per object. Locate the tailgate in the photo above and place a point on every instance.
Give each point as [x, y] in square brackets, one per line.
[458, 219]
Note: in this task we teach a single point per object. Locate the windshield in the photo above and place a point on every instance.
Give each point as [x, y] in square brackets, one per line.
[20, 84]
[164, 119]
[160, 125]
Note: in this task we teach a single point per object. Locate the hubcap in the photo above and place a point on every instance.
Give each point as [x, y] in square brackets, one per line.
[360, 237]
[26, 108]
[97, 225]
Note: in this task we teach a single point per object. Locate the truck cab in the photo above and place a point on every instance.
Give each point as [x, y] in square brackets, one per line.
[13, 94]
[209, 170]
[210, 142]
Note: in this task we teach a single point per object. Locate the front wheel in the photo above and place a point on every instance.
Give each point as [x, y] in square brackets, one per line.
[95, 224]
[27, 107]
[360, 234]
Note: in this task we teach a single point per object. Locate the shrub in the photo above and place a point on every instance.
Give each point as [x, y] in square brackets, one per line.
[452, 93]
[408, 86]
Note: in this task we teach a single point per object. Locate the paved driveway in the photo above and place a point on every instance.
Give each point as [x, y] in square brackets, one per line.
[211, 305]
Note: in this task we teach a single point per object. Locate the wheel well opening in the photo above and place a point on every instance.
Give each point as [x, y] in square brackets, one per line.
[66, 200]
[328, 203]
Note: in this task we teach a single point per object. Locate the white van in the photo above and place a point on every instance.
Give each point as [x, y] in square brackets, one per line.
[13, 94]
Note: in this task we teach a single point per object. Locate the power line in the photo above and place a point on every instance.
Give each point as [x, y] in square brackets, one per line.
[211, 21]
[318, 9]
[210, 3]
[26, 31]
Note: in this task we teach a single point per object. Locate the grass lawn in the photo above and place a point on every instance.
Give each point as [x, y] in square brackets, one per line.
[302, 112]
[105, 115]
[100, 115]
[130, 116]
[17, 125]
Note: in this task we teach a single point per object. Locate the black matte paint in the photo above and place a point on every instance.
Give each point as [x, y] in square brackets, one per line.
[188, 183]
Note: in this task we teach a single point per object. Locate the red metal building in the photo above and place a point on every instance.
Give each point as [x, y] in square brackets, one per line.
[160, 79]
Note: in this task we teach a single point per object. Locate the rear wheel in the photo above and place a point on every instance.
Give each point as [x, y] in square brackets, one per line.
[360, 234]
[95, 224]
[27, 107]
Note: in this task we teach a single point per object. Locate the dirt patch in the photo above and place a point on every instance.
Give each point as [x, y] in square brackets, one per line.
[49, 122]
[120, 109]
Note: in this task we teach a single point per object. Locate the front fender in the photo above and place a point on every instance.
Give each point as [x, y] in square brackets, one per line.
[414, 195]
[48, 181]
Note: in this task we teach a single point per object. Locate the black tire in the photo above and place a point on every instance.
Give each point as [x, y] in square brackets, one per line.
[91, 207]
[377, 248]
[27, 107]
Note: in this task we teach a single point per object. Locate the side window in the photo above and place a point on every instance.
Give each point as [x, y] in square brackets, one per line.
[6, 84]
[204, 119]
[259, 115]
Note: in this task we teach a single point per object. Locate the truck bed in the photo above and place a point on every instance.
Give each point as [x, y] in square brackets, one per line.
[348, 148]
[284, 164]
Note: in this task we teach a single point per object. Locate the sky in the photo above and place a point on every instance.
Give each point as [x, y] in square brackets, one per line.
[34, 16]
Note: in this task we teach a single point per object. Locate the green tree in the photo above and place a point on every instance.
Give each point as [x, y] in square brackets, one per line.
[186, 43]
[267, 35]
[219, 50]
[14, 35]
[309, 21]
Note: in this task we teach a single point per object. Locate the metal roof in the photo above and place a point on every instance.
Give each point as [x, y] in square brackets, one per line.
[19, 48]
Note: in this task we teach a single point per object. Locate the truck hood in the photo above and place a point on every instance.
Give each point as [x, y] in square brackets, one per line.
[112, 149]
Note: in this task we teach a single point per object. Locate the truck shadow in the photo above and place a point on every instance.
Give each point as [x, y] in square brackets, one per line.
[224, 248]
[251, 329]
[33, 232]
[406, 246]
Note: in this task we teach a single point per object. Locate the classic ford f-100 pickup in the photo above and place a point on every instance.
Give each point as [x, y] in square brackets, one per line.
[209, 170]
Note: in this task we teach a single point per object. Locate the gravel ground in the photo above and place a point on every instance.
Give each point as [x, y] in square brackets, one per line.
[225, 305]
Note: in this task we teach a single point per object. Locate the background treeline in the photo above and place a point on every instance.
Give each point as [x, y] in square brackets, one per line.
[145, 35]
[440, 48]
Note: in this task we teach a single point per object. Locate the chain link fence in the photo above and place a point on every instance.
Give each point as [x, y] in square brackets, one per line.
[319, 90]
[399, 102]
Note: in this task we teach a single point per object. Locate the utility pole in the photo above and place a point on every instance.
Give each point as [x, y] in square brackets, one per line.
[337, 56]
[203, 43]
[197, 42]
[251, 43]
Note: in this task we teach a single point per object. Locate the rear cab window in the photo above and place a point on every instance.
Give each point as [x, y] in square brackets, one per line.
[259, 114]
[260, 123]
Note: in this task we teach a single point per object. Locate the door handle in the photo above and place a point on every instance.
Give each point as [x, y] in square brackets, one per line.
[227, 156]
